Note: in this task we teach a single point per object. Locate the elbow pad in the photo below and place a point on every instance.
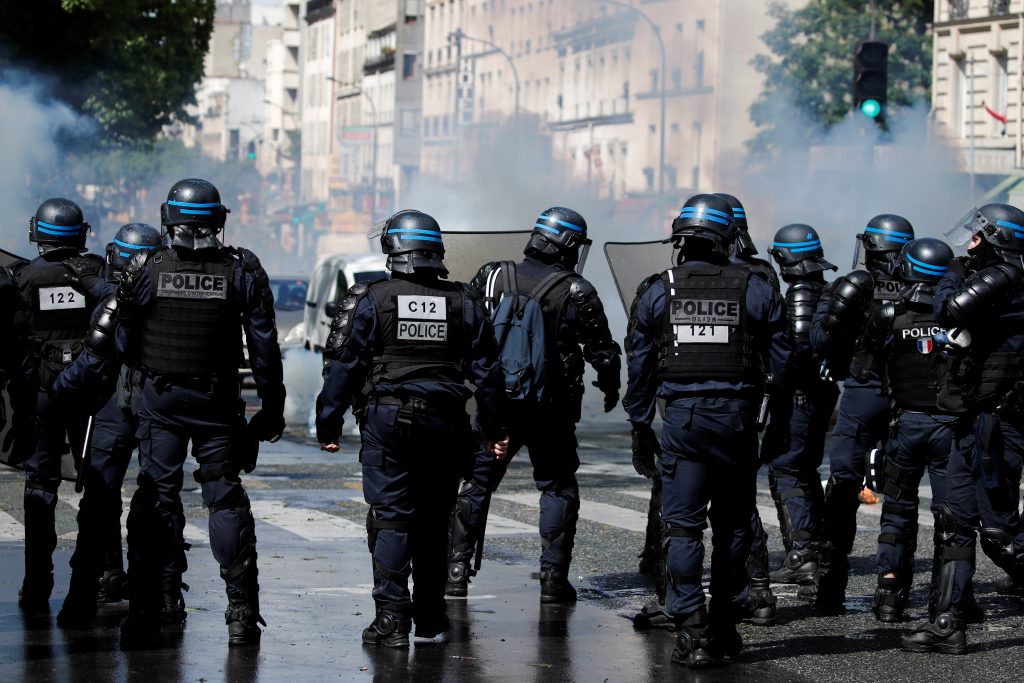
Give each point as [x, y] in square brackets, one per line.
[801, 300]
[99, 341]
[983, 291]
[593, 321]
[341, 325]
[849, 300]
[878, 328]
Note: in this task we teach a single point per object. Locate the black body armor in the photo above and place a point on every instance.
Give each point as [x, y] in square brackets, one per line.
[911, 366]
[422, 332]
[864, 365]
[705, 334]
[194, 327]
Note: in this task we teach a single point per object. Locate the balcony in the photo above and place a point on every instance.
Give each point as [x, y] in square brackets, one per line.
[318, 9]
[375, 64]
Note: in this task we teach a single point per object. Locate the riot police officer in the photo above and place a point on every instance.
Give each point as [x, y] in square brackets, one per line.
[413, 340]
[59, 288]
[743, 247]
[97, 557]
[185, 305]
[793, 475]
[700, 339]
[863, 420]
[982, 369]
[899, 335]
[573, 319]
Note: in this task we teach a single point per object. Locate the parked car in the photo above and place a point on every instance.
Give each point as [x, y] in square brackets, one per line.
[290, 292]
[332, 277]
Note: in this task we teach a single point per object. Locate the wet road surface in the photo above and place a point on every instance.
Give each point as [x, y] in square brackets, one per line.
[315, 578]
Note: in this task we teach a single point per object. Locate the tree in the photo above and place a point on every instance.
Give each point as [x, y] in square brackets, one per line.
[131, 64]
[809, 72]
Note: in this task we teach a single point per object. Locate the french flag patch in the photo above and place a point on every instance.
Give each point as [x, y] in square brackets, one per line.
[925, 346]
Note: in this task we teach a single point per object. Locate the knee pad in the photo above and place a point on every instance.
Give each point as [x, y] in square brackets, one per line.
[670, 532]
[374, 525]
[246, 558]
[998, 545]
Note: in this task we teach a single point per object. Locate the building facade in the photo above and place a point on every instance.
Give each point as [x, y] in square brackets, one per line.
[977, 99]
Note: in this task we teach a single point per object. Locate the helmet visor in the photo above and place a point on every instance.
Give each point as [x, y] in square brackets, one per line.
[964, 229]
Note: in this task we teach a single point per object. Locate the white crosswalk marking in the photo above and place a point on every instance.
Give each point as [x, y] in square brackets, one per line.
[312, 525]
[10, 528]
[603, 513]
[496, 524]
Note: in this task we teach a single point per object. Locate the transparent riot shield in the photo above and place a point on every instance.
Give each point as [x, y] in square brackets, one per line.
[465, 252]
[965, 228]
[633, 262]
[8, 454]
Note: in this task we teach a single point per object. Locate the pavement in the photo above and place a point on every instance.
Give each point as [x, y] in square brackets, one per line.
[315, 578]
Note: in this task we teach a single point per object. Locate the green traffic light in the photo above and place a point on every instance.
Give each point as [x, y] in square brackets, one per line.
[870, 108]
[252, 156]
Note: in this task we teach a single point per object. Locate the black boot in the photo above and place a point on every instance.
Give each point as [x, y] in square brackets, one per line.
[890, 600]
[388, 629]
[945, 634]
[457, 585]
[242, 618]
[799, 567]
[173, 611]
[431, 626]
[653, 616]
[34, 596]
[111, 586]
[555, 587]
[79, 607]
[694, 640]
[759, 607]
[833, 574]
[1009, 585]
[141, 630]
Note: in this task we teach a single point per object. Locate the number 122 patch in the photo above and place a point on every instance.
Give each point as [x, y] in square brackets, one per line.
[59, 298]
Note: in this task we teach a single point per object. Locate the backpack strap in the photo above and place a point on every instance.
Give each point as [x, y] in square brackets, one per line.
[549, 283]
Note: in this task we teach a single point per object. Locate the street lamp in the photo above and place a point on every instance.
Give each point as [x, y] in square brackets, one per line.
[356, 91]
[457, 36]
[661, 47]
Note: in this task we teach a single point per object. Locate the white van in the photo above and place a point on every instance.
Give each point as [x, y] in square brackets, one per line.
[332, 277]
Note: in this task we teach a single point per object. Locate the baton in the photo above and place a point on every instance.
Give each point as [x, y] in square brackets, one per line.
[483, 528]
[86, 450]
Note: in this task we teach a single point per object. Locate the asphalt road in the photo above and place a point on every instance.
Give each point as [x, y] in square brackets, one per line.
[315, 578]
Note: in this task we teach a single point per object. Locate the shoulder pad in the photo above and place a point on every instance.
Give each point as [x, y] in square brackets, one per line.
[887, 311]
[470, 291]
[341, 324]
[646, 283]
[803, 292]
[479, 281]
[249, 260]
[581, 290]
[85, 264]
[100, 338]
[860, 277]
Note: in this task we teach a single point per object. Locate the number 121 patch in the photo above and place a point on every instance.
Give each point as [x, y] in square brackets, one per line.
[702, 334]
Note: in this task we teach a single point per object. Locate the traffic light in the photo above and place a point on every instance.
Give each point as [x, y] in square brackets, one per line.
[870, 77]
[252, 150]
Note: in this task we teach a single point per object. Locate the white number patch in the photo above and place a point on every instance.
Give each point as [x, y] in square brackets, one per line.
[422, 307]
[702, 334]
[59, 298]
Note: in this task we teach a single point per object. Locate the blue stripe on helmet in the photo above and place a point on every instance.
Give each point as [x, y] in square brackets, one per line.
[881, 231]
[61, 229]
[132, 246]
[939, 270]
[548, 228]
[927, 272]
[815, 247]
[412, 231]
[123, 255]
[58, 233]
[739, 212]
[1008, 224]
[790, 245]
[564, 224]
[196, 212]
[706, 210]
[193, 205]
[705, 216]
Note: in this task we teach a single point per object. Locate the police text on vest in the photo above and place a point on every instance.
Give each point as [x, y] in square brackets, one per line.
[192, 286]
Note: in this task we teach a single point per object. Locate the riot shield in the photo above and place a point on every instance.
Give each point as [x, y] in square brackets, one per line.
[465, 252]
[8, 456]
[633, 262]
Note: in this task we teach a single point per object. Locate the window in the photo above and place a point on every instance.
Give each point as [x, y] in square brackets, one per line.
[408, 66]
[962, 107]
[407, 122]
[1000, 96]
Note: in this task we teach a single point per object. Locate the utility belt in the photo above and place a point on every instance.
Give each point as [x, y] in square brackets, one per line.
[53, 357]
[409, 408]
[216, 385]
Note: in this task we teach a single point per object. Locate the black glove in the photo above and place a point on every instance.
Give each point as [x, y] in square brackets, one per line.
[645, 448]
[958, 266]
[611, 396]
[267, 425]
[250, 450]
[325, 434]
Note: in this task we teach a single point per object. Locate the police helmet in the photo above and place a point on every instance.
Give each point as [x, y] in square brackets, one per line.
[130, 240]
[1002, 226]
[58, 224]
[707, 217]
[193, 214]
[797, 249]
[883, 238]
[412, 242]
[558, 231]
[744, 244]
[923, 260]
